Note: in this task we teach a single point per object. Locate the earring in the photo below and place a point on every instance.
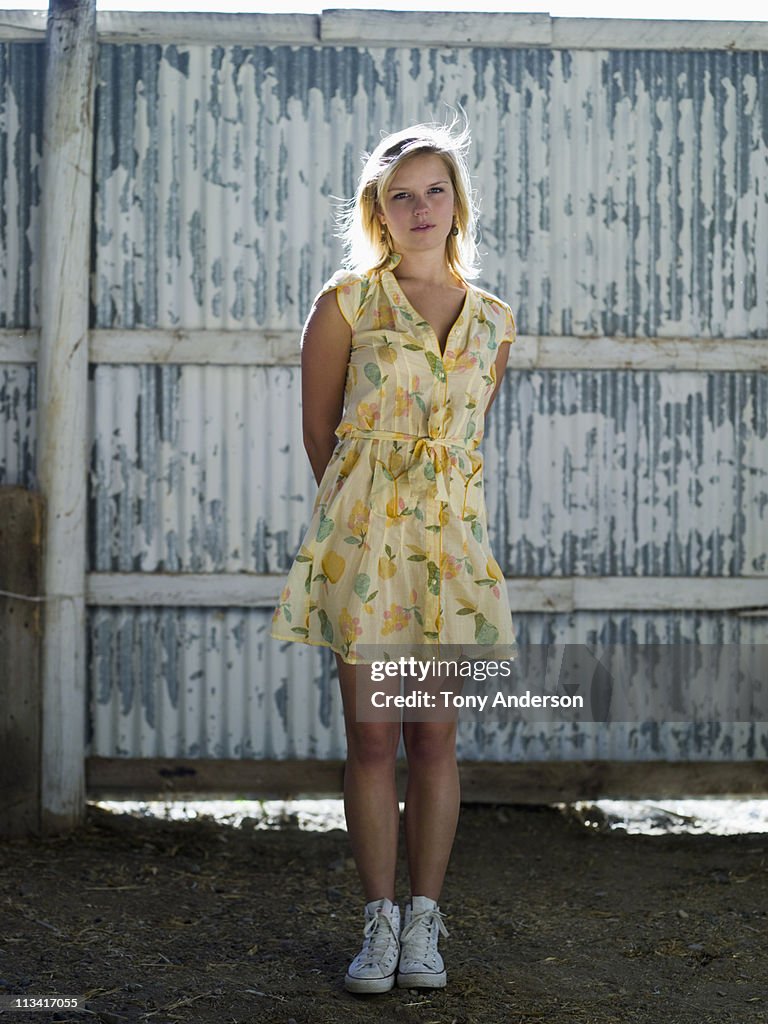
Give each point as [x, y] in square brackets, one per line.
[454, 230]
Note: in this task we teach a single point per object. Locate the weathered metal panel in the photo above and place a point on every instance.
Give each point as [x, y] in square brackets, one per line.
[630, 473]
[604, 474]
[209, 684]
[21, 108]
[624, 192]
[660, 167]
[196, 469]
[183, 683]
[18, 425]
[22, 72]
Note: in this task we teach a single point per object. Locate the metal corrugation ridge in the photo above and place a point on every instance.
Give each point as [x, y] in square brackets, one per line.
[22, 71]
[210, 683]
[623, 192]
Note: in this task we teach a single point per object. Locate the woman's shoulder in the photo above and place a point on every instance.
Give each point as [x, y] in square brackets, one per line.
[351, 288]
[498, 312]
[491, 300]
[342, 279]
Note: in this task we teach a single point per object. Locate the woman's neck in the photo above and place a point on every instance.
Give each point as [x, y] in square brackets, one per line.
[426, 268]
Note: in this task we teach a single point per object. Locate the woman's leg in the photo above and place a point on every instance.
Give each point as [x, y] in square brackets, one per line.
[370, 794]
[431, 803]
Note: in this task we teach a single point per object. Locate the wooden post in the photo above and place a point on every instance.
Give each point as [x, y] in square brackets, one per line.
[62, 383]
[21, 519]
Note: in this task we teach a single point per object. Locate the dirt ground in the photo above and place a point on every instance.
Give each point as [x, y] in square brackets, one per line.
[549, 920]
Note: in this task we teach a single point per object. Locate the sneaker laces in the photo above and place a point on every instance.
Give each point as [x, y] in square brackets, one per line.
[376, 939]
[418, 933]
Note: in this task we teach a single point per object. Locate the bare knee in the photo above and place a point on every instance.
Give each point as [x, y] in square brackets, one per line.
[373, 744]
[430, 742]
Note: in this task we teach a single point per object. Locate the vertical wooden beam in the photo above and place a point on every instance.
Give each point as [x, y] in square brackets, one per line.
[62, 383]
[21, 519]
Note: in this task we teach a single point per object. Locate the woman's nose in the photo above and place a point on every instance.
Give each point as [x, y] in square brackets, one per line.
[421, 205]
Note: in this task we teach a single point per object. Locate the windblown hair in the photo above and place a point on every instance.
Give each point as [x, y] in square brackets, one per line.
[365, 248]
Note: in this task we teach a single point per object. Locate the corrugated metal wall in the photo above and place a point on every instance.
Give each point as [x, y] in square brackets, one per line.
[22, 72]
[623, 193]
[608, 473]
[210, 683]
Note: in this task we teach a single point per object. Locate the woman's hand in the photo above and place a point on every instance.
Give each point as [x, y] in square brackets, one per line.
[325, 347]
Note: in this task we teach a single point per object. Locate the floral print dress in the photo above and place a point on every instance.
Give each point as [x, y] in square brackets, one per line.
[396, 556]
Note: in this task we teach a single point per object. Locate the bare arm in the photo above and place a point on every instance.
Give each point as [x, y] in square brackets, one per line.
[501, 365]
[325, 347]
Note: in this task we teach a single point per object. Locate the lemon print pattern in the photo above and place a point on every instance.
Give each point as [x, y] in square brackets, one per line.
[396, 551]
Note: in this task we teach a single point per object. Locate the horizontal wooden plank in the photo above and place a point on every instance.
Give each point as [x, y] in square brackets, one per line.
[186, 28]
[167, 347]
[403, 28]
[553, 594]
[710, 355]
[230, 348]
[207, 28]
[438, 28]
[267, 347]
[434, 28]
[675, 592]
[568, 781]
[546, 782]
[657, 34]
[24, 26]
[18, 346]
[184, 590]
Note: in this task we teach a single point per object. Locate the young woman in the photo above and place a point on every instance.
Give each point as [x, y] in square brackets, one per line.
[401, 360]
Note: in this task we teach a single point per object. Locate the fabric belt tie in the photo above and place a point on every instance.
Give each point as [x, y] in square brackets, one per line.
[426, 474]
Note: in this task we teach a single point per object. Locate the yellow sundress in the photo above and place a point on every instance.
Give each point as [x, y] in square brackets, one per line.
[396, 553]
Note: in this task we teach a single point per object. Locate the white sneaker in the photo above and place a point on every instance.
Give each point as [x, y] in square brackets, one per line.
[375, 966]
[421, 966]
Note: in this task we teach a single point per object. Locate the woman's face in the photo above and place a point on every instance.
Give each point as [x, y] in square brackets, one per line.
[418, 205]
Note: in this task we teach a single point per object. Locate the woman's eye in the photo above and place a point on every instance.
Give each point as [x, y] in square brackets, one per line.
[436, 188]
[401, 195]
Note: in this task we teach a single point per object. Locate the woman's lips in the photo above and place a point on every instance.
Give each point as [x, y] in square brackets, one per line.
[423, 227]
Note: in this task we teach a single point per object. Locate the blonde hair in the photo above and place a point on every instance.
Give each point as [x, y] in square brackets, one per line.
[367, 247]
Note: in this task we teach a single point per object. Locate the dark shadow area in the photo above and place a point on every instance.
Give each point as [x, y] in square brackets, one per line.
[165, 921]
